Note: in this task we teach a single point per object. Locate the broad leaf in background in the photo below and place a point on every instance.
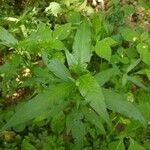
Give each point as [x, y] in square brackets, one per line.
[144, 108]
[103, 48]
[135, 146]
[59, 69]
[118, 103]
[129, 35]
[73, 17]
[26, 145]
[144, 52]
[116, 145]
[6, 38]
[61, 32]
[82, 43]
[44, 32]
[40, 104]
[92, 93]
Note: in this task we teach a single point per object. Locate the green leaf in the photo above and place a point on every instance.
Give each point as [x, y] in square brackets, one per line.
[44, 32]
[129, 35]
[97, 24]
[40, 104]
[104, 76]
[61, 32]
[137, 82]
[75, 125]
[59, 70]
[92, 93]
[118, 103]
[110, 41]
[73, 17]
[103, 48]
[135, 146]
[57, 45]
[70, 58]
[82, 43]
[128, 9]
[93, 118]
[133, 65]
[145, 72]
[144, 3]
[144, 107]
[144, 52]
[27, 146]
[117, 145]
[6, 38]
[58, 122]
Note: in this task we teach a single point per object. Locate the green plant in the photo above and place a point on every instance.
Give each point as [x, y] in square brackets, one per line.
[84, 80]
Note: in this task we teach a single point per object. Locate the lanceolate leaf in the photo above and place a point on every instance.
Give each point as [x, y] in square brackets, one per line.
[59, 70]
[92, 93]
[118, 103]
[82, 42]
[6, 38]
[40, 104]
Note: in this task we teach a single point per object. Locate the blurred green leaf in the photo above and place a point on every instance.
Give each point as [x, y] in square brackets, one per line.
[103, 48]
[27, 145]
[61, 32]
[129, 35]
[116, 145]
[144, 52]
[58, 123]
[135, 146]
[6, 38]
